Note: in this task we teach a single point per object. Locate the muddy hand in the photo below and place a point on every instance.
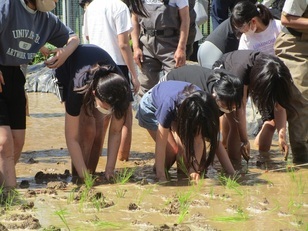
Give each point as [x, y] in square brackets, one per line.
[284, 150]
[245, 150]
[194, 176]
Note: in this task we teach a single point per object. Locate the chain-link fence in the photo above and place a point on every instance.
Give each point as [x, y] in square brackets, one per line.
[71, 14]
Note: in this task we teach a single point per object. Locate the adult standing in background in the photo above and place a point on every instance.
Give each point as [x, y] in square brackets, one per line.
[159, 40]
[84, 4]
[292, 48]
[107, 24]
[220, 11]
[20, 39]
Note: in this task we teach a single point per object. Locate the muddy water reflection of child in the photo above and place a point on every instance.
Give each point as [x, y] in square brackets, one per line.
[92, 93]
[26, 25]
[180, 118]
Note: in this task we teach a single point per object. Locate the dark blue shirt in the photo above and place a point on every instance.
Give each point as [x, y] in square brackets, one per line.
[166, 97]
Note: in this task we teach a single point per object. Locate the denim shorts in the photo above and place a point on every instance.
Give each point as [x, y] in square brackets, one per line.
[146, 113]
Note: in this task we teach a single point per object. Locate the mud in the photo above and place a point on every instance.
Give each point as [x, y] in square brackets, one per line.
[270, 194]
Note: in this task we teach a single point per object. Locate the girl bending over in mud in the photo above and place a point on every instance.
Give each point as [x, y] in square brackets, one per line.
[94, 93]
[180, 118]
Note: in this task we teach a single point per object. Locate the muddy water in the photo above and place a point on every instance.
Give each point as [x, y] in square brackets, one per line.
[267, 198]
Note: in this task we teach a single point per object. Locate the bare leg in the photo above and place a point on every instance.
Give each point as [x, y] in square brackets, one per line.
[224, 128]
[19, 140]
[87, 131]
[7, 162]
[264, 138]
[171, 149]
[233, 142]
[101, 125]
[126, 139]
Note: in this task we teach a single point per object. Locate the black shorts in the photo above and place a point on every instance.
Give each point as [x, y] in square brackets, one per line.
[13, 98]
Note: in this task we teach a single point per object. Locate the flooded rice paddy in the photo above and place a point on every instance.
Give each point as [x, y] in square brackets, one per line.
[271, 195]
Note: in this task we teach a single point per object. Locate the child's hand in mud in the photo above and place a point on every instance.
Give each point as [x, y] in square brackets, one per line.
[194, 176]
[109, 175]
[245, 150]
[161, 178]
[284, 148]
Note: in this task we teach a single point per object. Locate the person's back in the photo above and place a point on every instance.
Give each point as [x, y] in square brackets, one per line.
[291, 46]
[104, 20]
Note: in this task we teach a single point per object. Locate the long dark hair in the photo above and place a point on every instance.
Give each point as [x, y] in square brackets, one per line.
[136, 6]
[198, 113]
[109, 87]
[270, 83]
[228, 88]
[244, 11]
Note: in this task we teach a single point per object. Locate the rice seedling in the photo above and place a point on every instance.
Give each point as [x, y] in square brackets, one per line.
[8, 197]
[89, 180]
[300, 185]
[84, 193]
[240, 216]
[124, 175]
[61, 214]
[105, 225]
[144, 193]
[71, 196]
[99, 203]
[212, 192]
[294, 206]
[120, 192]
[230, 183]
[182, 166]
[184, 201]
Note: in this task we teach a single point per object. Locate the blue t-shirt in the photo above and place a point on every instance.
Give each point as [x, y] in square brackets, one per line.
[166, 97]
[24, 31]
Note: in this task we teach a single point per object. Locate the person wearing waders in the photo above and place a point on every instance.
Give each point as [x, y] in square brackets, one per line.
[159, 40]
[292, 48]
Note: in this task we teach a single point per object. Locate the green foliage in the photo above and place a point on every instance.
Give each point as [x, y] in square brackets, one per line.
[123, 175]
[231, 183]
[8, 197]
[62, 213]
[39, 57]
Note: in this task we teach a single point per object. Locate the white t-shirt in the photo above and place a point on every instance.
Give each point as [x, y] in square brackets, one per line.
[104, 20]
[263, 41]
[295, 7]
[175, 3]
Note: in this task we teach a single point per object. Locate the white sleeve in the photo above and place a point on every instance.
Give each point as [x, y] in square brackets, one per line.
[85, 25]
[267, 3]
[123, 22]
[295, 7]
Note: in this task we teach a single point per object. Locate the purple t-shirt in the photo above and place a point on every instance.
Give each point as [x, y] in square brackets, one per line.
[166, 96]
